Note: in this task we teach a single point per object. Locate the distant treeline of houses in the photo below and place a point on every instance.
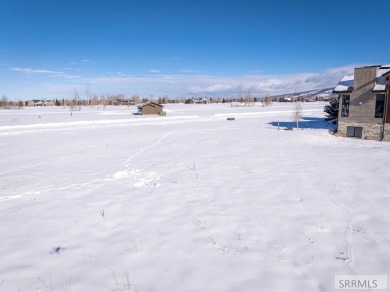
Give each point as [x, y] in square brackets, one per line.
[134, 100]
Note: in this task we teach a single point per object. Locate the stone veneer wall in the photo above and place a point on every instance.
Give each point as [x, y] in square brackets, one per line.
[387, 132]
[371, 131]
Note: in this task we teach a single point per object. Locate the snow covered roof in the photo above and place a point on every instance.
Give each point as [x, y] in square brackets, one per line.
[345, 84]
[386, 68]
[151, 103]
[380, 80]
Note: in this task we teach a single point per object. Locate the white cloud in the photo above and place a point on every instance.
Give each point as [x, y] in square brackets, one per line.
[88, 61]
[71, 68]
[261, 84]
[196, 84]
[190, 71]
[33, 71]
[331, 76]
[43, 71]
[108, 79]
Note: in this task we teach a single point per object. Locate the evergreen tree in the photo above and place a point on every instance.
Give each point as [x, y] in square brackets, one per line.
[332, 109]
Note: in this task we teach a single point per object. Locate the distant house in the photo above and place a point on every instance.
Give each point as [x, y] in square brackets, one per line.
[49, 103]
[364, 106]
[35, 102]
[150, 108]
[38, 102]
[201, 100]
[124, 102]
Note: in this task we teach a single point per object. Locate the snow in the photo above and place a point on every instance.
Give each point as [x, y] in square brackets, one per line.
[380, 81]
[345, 84]
[105, 200]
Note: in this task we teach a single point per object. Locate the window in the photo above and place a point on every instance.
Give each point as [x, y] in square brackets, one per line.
[354, 131]
[345, 106]
[379, 105]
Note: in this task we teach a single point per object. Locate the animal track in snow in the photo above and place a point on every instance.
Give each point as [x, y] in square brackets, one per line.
[141, 178]
[348, 230]
[127, 163]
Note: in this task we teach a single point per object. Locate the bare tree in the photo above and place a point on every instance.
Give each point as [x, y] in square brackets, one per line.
[136, 99]
[4, 101]
[297, 113]
[103, 101]
[88, 95]
[95, 100]
[267, 101]
[248, 98]
[165, 99]
[74, 102]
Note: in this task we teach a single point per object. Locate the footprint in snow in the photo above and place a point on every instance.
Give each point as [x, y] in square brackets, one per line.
[57, 250]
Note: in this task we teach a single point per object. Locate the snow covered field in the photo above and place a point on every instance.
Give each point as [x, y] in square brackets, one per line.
[105, 200]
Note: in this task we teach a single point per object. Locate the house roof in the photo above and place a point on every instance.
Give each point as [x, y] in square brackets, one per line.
[386, 69]
[153, 104]
[380, 80]
[345, 84]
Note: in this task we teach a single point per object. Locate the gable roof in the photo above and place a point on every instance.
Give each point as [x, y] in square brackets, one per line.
[153, 104]
[345, 84]
[386, 69]
[380, 80]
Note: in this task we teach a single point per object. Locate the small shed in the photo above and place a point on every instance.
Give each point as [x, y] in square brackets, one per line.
[150, 108]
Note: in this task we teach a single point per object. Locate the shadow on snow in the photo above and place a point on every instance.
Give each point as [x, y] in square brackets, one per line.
[306, 123]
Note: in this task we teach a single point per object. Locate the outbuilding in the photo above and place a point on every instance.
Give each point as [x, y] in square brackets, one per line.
[150, 108]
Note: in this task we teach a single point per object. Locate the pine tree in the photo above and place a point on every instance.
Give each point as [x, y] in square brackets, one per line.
[332, 109]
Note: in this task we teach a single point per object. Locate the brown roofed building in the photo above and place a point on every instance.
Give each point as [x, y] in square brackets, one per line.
[150, 108]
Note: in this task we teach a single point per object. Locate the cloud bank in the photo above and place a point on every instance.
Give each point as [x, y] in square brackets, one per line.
[185, 85]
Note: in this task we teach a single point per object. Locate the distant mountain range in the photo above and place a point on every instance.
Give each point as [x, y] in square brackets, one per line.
[311, 94]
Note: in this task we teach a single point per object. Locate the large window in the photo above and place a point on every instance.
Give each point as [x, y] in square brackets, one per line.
[379, 105]
[345, 106]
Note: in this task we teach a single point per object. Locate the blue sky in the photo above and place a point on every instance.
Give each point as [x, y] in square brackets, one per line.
[186, 48]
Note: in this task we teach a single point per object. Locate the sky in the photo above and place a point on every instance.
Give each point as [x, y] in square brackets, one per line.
[226, 48]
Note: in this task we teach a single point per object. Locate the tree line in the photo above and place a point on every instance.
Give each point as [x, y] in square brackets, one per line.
[120, 99]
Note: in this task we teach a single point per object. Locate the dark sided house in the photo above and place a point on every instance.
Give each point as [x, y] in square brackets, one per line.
[150, 108]
[364, 107]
